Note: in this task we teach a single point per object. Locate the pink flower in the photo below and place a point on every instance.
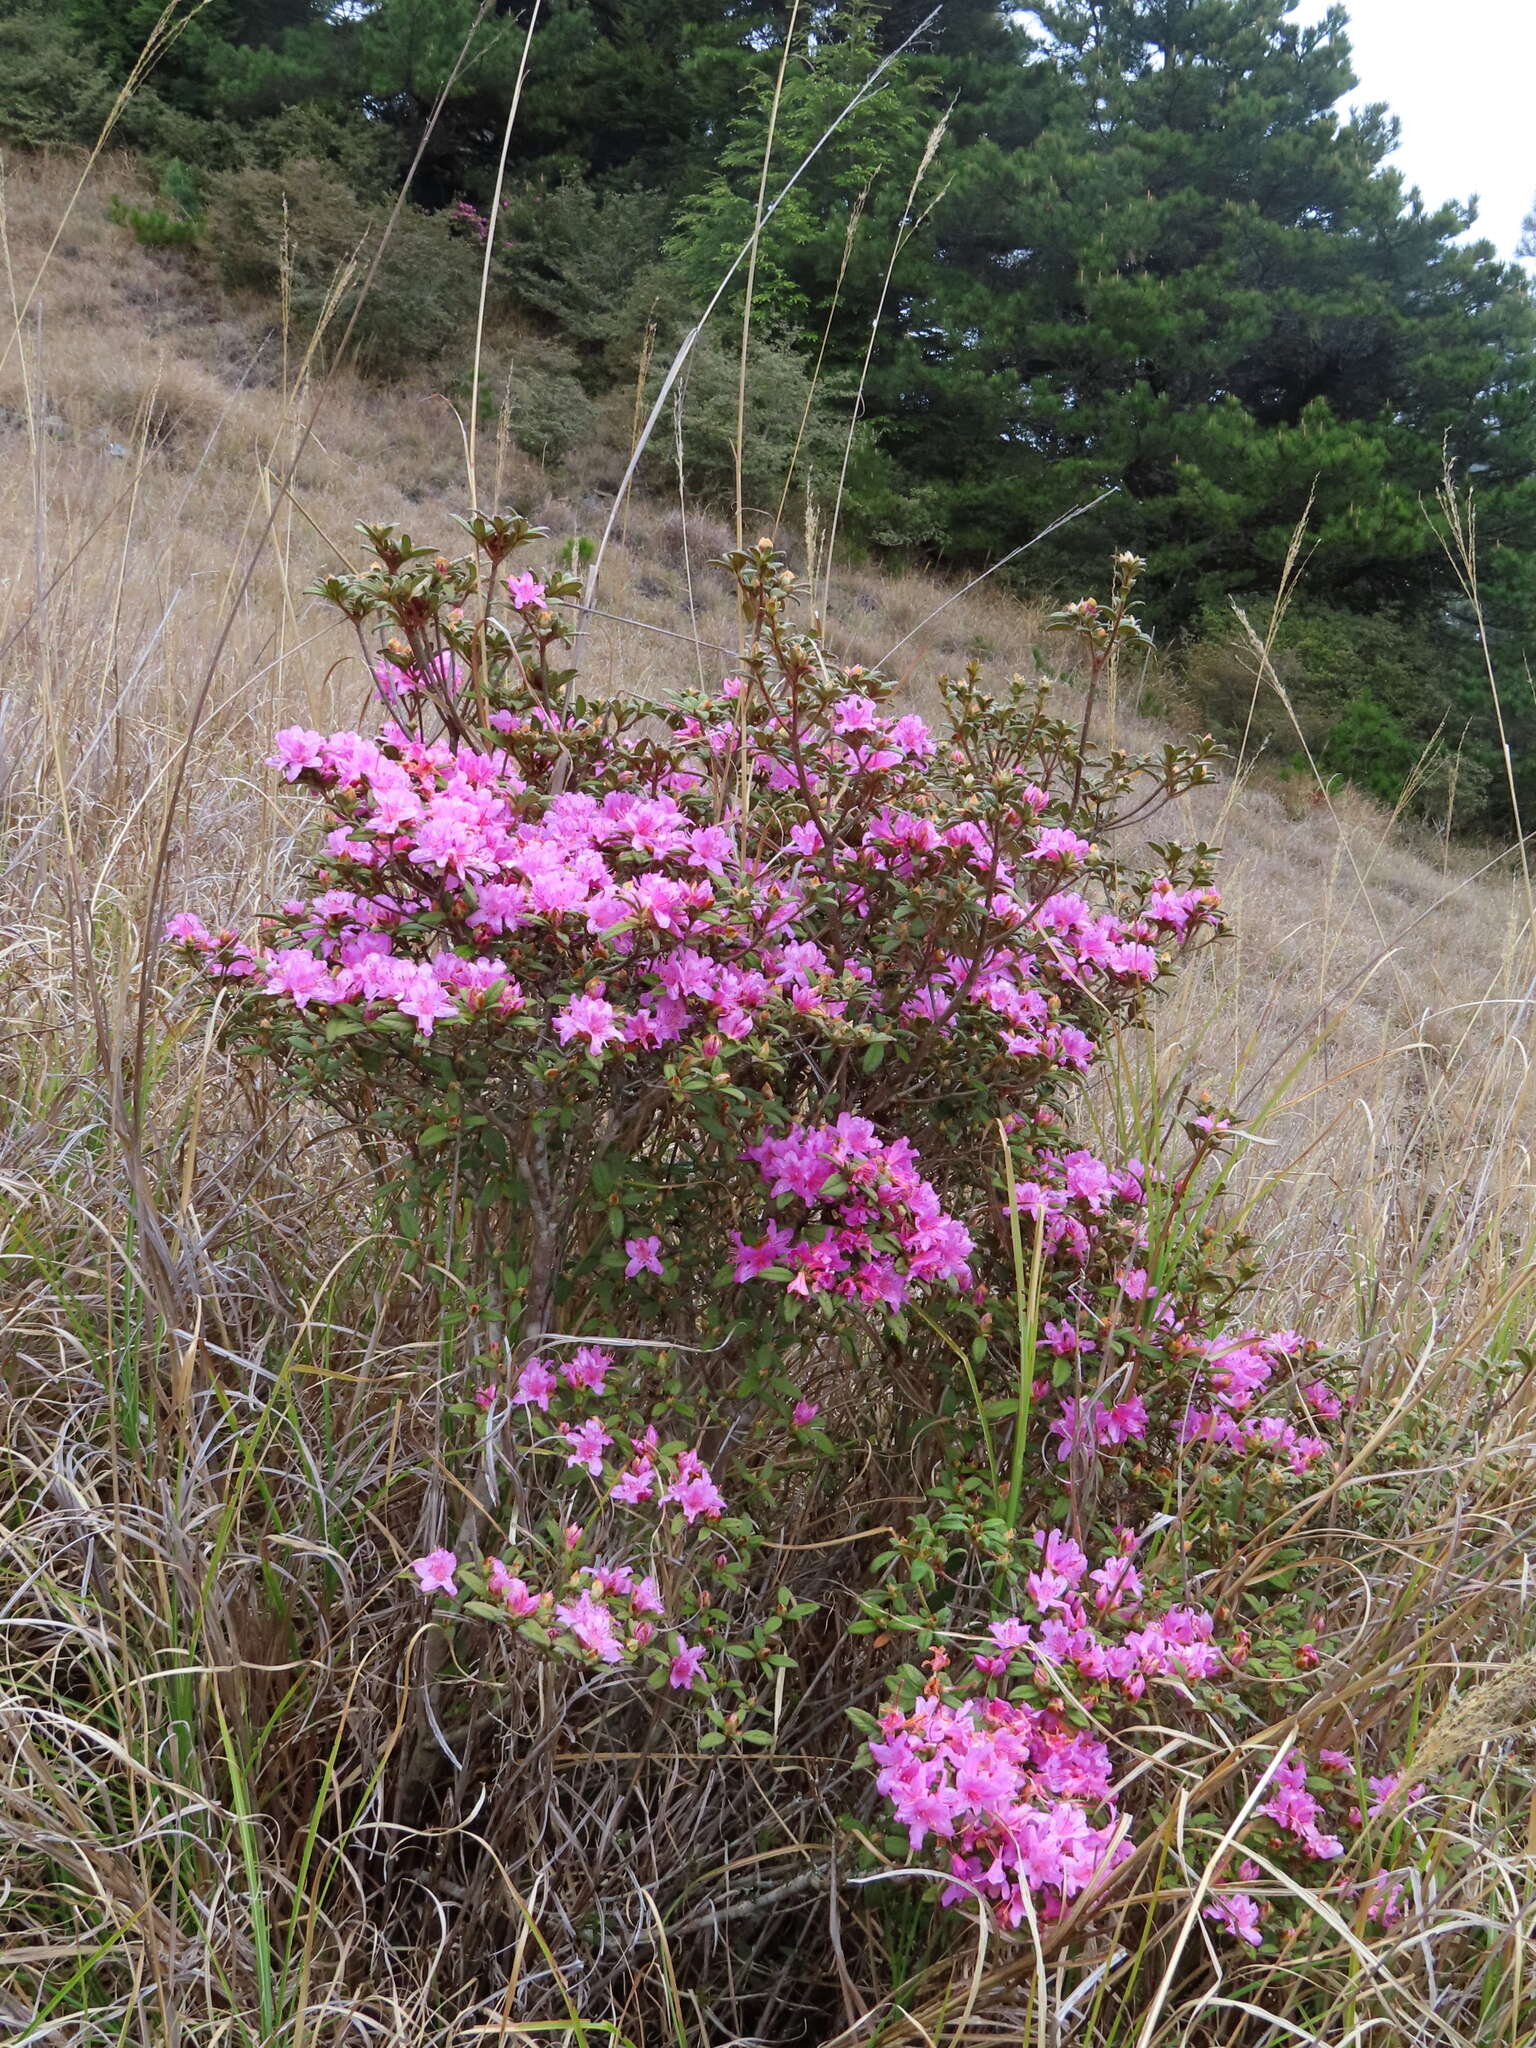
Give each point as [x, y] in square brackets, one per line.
[643, 1254]
[535, 1384]
[592, 1625]
[435, 1572]
[636, 1484]
[485, 1397]
[686, 1665]
[589, 1017]
[422, 997]
[1056, 843]
[588, 1367]
[1382, 1790]
[805, 1413]
[297, 749]
[519, 1601]
[525, 592]
[1238, 1913]
[696, 1494]
[588, 1441]
[1119, 1585]
[299, 976]
[1384, 1897]
[646, 1598]
[1064, 1340]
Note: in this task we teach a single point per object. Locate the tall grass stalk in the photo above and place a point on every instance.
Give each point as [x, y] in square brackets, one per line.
[745, 349]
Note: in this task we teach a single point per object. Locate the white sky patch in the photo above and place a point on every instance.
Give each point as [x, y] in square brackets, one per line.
[1460, 75]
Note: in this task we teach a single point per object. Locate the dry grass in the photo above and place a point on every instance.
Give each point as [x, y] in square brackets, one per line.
[210, 1398]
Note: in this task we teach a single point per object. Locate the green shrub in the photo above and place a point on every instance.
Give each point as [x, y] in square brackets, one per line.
[548, 410]
[1380, 697]
[586, 262]
[51, 94]
[780, 396]
[331, 132]
[307, 217]
[178, 223]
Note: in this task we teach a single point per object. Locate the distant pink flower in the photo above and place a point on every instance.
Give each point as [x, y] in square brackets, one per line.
[686, 1665]
[643, 1254]
[435, 1572]
[1384, 1788]
[525, 591]
[1064, 1340]
[805, 1413]
[1384, 1898]
[646, 1598]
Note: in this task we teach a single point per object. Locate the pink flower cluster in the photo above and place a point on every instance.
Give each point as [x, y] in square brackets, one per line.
[453, 882]
[1299, 1812]
[1238, 1370]
[876, 1228]
[1075, 1607]
[649, 1477]
[1075, 1199]
[1239, 1913]
[1092, 1215]
[1028, 1802]
[1026, 1805]
[1300, 1815]
[608, 1614]
[1025, 1801]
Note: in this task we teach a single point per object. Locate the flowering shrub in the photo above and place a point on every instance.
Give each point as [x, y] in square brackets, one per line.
[725, 1051]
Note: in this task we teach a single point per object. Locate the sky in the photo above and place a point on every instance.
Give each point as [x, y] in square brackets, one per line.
[1459, 74]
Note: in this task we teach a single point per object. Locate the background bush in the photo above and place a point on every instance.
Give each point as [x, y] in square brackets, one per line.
[306, 220]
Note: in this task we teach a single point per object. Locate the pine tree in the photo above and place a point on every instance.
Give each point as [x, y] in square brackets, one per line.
[1192, 281]
[857, 177]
